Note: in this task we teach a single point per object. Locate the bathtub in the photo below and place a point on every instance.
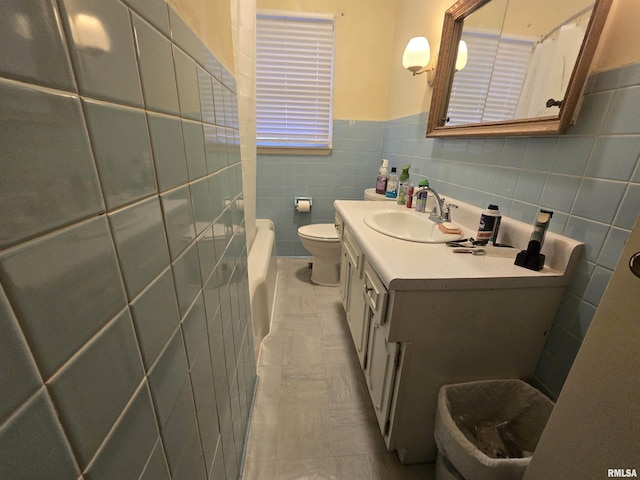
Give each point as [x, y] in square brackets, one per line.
[263, 277]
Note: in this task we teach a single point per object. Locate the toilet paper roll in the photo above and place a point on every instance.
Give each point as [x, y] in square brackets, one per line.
[303, 206]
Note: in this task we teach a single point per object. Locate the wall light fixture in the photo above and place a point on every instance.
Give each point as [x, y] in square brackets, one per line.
[417, 57]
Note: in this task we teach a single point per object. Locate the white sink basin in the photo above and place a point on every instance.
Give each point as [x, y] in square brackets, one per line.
[411, 226]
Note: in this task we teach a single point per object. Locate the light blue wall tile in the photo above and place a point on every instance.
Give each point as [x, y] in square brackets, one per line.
[598, 199]
[613, 247]
[506, 181]
[523, 211]
[99, 382]
[581, 277]
[540, 153]
[33, 444]
[157, 468]
[185, 38]
[130, 444]
[202, 205]
[120, 141]
[50, 179]
[187, 82]
[629, 209]
[614, 158]
[219, 191]
[78, 278]
[623, 112]
[194, 149]
[204, 395]
[153, 11]
[530, 186]
[19, 377]
[168, 150]
[597, 284]
[69, 159]
[157, 73]
[194, 330]
[186, 275]
[101, 44]
[155, 316]
[567, 311]
[593, 234]
[191, 464]
[206, 254]
[560, 192]
[592, 114]
[179, 426]
[178, 219]
[141, 244]
[205, 94]
[32, 47]
[168, 376]
[572, 155]
[513, 152]
[583, 319]
[219, 102]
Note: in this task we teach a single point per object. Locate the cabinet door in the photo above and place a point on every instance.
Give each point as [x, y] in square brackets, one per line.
[358, 316]
[345, 279]
[382, 360]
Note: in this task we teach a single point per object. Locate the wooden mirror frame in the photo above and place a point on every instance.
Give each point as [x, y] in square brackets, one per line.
[552, 125]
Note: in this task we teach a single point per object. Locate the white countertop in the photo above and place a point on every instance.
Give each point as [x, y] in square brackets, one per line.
[404, 265]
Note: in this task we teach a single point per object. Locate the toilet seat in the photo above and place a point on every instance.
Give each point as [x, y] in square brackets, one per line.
[320, 232]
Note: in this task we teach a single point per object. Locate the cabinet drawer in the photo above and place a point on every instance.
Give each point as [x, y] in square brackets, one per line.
[375, 292]
[353, 251]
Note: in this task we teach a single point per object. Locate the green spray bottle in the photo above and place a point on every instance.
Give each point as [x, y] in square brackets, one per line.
[403, 186]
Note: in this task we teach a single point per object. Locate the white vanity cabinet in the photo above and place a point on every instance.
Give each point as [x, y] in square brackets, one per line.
[421, 317]
[382, 359]
[354, 301]
[365, 297]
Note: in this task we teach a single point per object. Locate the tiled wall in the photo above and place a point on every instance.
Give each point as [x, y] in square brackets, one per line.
[345, 173]
[589, 177]
[126, 345]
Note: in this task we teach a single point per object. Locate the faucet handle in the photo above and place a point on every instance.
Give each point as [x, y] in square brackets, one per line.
[447, 211]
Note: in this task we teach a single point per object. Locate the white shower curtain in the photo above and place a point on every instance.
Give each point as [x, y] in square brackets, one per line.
[549, 71]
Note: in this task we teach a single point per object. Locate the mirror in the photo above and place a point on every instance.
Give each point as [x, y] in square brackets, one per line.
[527, 64]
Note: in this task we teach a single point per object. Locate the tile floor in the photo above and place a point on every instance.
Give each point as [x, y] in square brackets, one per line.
[312, 417]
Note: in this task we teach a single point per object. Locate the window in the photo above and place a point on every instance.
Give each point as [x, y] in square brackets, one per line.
[488, 88]
[294, 72]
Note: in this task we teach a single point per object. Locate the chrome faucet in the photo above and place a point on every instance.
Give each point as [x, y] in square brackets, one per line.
[438, 215]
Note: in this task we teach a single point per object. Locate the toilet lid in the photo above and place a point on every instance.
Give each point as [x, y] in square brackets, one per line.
[320, 231]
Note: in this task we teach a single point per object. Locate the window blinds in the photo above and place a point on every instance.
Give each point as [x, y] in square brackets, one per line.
[488, 88]
[294, 71]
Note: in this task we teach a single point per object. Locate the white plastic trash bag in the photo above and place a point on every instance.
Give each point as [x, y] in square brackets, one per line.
[488, 430]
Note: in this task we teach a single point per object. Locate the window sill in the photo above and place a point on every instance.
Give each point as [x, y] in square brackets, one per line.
[293, 151]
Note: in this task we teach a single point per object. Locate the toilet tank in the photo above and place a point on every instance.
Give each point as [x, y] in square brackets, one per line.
[370, 194]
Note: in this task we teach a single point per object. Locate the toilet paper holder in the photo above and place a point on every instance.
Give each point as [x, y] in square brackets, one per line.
[297, 200]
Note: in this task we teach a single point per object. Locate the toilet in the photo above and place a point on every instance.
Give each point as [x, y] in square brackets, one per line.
[322, 241]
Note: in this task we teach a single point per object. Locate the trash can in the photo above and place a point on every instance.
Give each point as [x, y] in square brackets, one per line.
[488, 429]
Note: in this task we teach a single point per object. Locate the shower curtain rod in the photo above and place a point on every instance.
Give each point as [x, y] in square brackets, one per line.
[565, 22]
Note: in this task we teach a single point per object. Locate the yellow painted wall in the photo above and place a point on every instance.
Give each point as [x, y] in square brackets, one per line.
[409, 95]
[619, 44]
[415, 18]
[363, 42]
[370, 83]
[211, 20]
